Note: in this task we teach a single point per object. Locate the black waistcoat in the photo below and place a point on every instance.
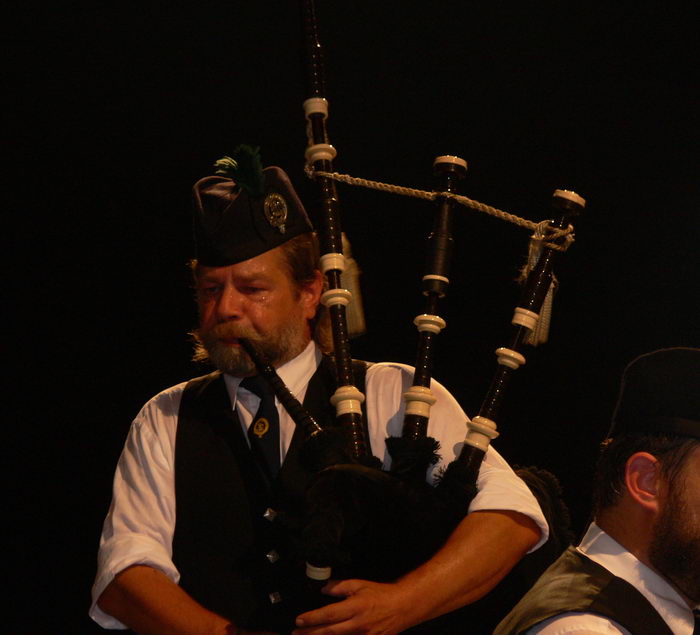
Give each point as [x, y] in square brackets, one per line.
[576, 583]
[221, 537]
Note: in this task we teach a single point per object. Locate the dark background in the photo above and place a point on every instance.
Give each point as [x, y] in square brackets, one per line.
[116, 110]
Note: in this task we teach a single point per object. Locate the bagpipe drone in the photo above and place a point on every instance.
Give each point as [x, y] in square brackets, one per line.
[358, 520]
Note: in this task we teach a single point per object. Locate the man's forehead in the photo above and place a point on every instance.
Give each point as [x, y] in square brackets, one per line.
[270, 263]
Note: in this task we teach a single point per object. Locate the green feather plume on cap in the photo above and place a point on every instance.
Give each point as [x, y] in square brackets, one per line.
[245, 168]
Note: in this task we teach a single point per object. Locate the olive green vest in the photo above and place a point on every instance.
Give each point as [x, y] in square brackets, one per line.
[576, 583]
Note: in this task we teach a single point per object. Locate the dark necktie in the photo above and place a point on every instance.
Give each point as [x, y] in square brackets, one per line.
[696, 615]
[264, 431]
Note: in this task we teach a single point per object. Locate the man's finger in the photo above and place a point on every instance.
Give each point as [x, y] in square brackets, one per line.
[339, 588]
[331, 614]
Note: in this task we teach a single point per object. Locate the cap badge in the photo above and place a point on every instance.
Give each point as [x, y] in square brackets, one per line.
[275, 208]
[260, 427]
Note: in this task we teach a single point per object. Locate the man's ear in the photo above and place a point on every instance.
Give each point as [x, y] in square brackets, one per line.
[311, 295]
[643, 480]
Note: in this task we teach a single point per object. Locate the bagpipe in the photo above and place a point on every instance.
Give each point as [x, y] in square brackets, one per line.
[364, 522]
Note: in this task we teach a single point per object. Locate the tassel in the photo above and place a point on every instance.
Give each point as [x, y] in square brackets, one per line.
[350, 279]
[541, 332]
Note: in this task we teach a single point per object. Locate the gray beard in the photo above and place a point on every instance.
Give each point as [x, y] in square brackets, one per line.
[675, 545]
[276, 348]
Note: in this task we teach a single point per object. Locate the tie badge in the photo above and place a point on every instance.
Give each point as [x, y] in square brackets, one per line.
[260, 427]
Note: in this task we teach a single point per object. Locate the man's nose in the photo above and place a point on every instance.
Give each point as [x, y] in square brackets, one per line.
[230, 304]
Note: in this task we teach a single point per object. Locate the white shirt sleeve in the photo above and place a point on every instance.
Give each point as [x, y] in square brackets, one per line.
[578, 624]
[140, 523]
[499, 488]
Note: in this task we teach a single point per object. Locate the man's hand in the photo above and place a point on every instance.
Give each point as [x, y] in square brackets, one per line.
[480, 552]
[369, 607]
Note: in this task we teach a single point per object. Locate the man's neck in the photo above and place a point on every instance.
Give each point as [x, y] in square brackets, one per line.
[624, 526]
[634, 534]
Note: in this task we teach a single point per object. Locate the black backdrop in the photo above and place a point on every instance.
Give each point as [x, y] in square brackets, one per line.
[115, 110]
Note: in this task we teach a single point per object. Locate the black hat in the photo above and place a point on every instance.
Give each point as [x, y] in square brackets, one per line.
[244, 216]
[660, 392]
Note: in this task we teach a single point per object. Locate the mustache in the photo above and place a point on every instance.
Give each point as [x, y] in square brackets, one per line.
[228, 330]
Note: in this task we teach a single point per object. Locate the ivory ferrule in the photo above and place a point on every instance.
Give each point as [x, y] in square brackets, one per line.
[510, 358]
[331, 262]
[430, 323]
[316, 105]
[418, 401]
[525, 318]
[451, 159]
[347, 399]
[320, 152]
[317, 573]
[336, 296]
[570, 196]
[434, 276]
[481, 431]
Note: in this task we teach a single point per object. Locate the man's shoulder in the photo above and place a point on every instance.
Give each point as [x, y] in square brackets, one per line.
[387, 370]
[385, 374]
[172, 392]
[167, 402]
[395, 366]
[576, 584]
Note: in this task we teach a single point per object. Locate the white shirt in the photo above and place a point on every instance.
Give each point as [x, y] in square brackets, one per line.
[141, 520]
[601, 548]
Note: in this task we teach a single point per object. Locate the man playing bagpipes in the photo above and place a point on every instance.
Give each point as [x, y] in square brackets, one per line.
[185, 544]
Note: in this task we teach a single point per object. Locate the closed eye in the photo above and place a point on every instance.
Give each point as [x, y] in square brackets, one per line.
[252, 289]
[209, 290]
